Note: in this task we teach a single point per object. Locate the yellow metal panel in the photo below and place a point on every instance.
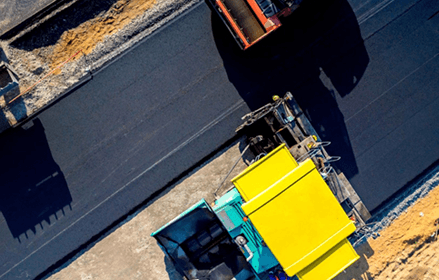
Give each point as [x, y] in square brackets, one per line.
[265, 172]
[299, 218]
[330, 264]
[278, 187]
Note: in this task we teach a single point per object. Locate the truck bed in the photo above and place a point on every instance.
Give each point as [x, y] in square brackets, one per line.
[244, 19]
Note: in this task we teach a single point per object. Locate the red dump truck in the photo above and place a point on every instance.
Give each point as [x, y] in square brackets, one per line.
[250, 21]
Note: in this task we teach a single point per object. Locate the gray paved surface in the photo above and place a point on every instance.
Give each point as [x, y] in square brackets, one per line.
[106, 147]
[13, 12]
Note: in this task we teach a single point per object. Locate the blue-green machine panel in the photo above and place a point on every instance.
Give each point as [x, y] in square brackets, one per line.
[228, 209]
[197, 227]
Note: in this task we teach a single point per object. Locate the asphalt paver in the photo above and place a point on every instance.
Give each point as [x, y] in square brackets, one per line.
[367, 81]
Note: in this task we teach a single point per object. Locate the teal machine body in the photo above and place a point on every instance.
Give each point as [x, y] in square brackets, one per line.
[215, 243]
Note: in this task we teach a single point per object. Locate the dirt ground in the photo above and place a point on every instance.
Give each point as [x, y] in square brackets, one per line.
[407, 249]
[87, 35]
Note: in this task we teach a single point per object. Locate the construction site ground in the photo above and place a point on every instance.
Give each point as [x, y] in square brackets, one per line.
[96, 32]
[407, 247]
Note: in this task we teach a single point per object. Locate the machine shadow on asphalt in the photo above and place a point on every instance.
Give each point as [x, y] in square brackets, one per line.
[317, 54]
[33, 191]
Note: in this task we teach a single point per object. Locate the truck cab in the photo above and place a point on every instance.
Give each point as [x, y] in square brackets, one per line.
[249, 21]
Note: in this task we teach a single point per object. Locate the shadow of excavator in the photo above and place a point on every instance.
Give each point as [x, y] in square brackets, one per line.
[33, 190]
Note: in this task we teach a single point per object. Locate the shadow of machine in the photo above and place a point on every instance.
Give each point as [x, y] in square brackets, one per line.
[317, 54]
[33, 190]
[359, 270]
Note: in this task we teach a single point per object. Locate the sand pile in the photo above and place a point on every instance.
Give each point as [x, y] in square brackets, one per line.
[407, 249]
[86, 36]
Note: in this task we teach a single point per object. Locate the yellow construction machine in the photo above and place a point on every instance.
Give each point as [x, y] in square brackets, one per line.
[288, 214]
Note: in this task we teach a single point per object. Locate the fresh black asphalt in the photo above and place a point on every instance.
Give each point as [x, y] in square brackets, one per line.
[162, 107]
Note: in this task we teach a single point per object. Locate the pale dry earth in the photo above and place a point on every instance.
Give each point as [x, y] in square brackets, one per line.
[407, 249]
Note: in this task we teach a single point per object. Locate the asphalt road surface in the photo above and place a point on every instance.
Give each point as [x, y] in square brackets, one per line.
[365, 72]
